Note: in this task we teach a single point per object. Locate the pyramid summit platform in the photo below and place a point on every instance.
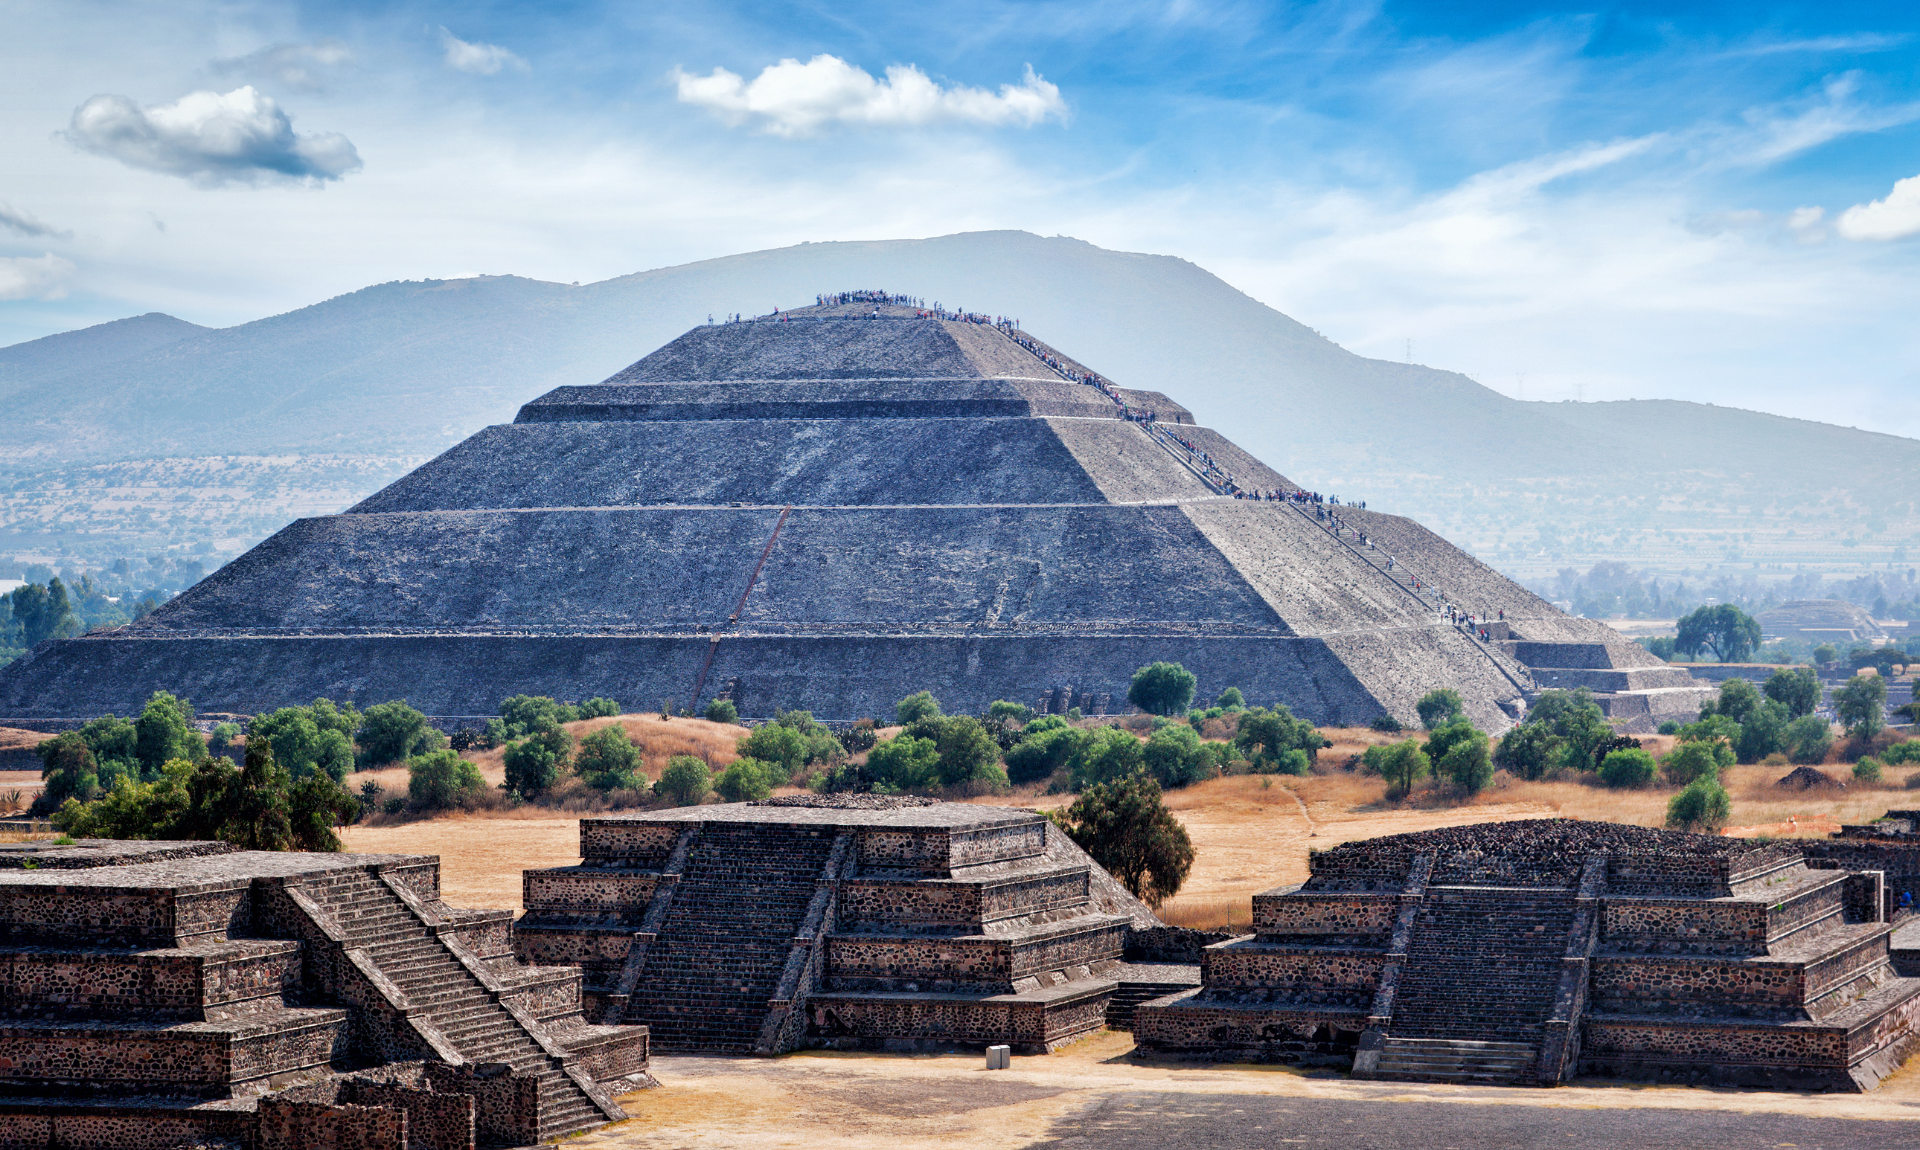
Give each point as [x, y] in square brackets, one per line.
[828, 509]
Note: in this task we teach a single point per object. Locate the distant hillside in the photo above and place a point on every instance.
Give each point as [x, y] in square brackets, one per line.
[403, 369]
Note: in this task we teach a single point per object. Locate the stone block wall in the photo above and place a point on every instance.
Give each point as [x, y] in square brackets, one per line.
[1030, 1026]
[879, 904]
[1280, 916]
[434, 1121]
[938, 851]
[579, 890]
[289, 1125]
[157, 984]
[627, 842]
[965, 964]
[1334, 977]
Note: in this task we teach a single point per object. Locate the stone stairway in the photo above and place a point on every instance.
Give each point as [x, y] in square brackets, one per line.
[477, 1026]
[1483, 965]
[1455, 1060]
[717, 960]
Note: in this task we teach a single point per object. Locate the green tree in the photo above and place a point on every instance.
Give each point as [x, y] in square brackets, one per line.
[1007, 710]
[43, 612]
[1266, 737]
[1702, 806]
[1231, 700]
[1627, 768]
[536, 762]
[1528, 751]
[306, 743]
[968, 754]
[1738, 699]
[1808, 739]
[1795, 688]
[442, 780]
[608, 761]
[1763, 732]
[315, 806]
[1402, 764]
[1826, 653]
[746, 781]
[1697, 759]
[1105, 755]
[1043, 750]
[255, 803]
[1882, 660]
[599, 708]
[221, 740]
[904, 763]
[165, 731]
[1162, 689]
[1730, 633]
[392, 732]
[1439, 707]
[917, 706]
[1176, 757]
[1126, 827]
[722, 711]
[1861, 705]
[1465, 761]
[684, 781]
[114, 741]
[774, 743]
[1868, 770]
[68, 771]
[521, 715]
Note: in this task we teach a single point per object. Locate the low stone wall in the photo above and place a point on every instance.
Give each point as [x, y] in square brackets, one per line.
[120, 916]
[1677, 925]
[434, 1121]
[1731, 1053]
[590, 946]
[869, 903]
[1343, 979]
[173, 1060]
[610, 1057]
[971, 964]
[1645, 984]
[939, 851]
[588, 890]
[1336, 914]
[1190, 1025]
[1030, 1025]
[1173, 944]
[156, 984]
[290, 1125]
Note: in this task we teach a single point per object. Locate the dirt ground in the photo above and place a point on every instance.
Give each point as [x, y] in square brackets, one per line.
[907, 1102]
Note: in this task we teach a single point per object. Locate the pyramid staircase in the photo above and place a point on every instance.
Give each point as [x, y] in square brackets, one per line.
[1483, 966]
[740, 903]
[474, 1023]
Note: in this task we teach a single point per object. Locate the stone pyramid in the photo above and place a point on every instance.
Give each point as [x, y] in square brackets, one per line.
[831, 508]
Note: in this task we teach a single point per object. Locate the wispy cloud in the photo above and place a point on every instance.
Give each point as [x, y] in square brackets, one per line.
[794, 99]
[1863, 42]
[477, 58]
[308, 67]
[1893, 218]
[24, 222]
[210, 138]
[35, 277]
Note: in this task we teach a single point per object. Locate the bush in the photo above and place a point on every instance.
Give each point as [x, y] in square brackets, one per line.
[775, 743]
[1762, 732]
[536, 762]
[1387, 723]
[1401, 764]
[1702, 806]
[1808, 739]
[1265, 736]
[441, 781]
[1669, 727]
[746, 780]
[391, 732]
[1627, 768]
[1162, 689]
[1691, 761]
[1176, 757]
[1126, 826]
[859, 737]
[1105, 755]
[69, 771]
[917, 706]
[1902, 752]
[1466, 762]
[1439, 707]
[1529, 750]
[163, 732]
[1231, 699]
[722, 711]
[608, 761]
[221, 741]
[684, 782]
[968, 754]
[598, 708]
[904, 763]
[1042, 750]
[1795, 688]
[1007, 710]
[1868, 770]
[521, 715]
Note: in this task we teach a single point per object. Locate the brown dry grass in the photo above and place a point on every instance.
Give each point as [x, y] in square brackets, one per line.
[13, 738]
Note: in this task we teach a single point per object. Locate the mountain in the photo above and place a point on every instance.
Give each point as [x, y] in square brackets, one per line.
[409, 368]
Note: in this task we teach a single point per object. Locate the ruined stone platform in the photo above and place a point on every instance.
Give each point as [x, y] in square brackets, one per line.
[1527, 952]
[837, 921]
[156, 993]
[829, 509]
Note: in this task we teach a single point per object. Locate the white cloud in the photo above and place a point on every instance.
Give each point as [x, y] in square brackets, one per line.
[479, 59]
[305, 66]
[35, 277]
[793, 99]
[25, 223]
[1896, 217]
[211, 139]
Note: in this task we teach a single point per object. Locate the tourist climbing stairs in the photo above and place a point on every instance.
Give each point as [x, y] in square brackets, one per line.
[475, 1024]
[1483, 967]
[717, 960]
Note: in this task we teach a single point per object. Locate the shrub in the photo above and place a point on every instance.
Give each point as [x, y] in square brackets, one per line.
[1126, 826]
[1231, 699]
[968, 754]
[1868, 770]
[775, 743]
[608, 761]
[221, 741]
[164, 731]
[1692, 761]
[1762, 732]
[1042, 750]
[722, 711]
[1105, 755]
[684, 781]
[1808, 739]
[391, 732]
[1402, 765]
[859, 737]
[309, 740]
[1005, 709]
[441, 781]
[1702, 806]
[746, 780]
[1265, 736]
[535, 763]
[917, 706]
[1439, 707]
[521, 715]
[69, 771]
[1902, 752]
[904, 763]
[1387, 723]
[315, 806]
[1176, 757]
[1466, 762]
[1627, 768]
[1670, 727]
[1528, 750]
[1162, 689]
[599, 708]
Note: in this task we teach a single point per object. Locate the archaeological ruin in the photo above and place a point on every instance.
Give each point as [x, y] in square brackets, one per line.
[1527, 952]
[160, 994]
[827, 509]
[846, 921]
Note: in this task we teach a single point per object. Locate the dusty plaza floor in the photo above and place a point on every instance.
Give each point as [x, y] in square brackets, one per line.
[1094, 1095]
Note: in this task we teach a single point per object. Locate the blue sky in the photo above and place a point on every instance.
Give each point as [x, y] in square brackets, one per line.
[1603, 201]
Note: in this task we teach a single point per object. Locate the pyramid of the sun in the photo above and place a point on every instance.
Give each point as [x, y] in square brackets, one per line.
[829, 509]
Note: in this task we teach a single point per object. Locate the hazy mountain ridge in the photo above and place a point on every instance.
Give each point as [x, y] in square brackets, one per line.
[408, 368]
